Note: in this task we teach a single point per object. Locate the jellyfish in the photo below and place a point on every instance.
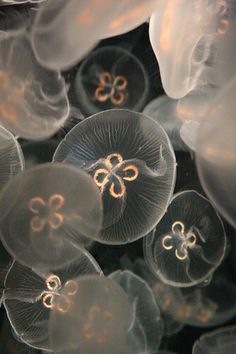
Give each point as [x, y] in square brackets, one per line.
[90, 314]
[164, 110]
[67, 21]
[216, 152]
[11, 157]
[28, 296]
[33, 100]
[44, 212]
[194, 44]
[188, 244]
[220, 341]
[146, 314]
[111, 77]
[16, 2]
[132, 162]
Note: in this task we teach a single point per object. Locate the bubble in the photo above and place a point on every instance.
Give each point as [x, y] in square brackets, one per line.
[11, 157]
[93, 318]
[45, 211]
[28, 297]
[164, 111]
[132, 162]
[222, 341]
[191, 237]
[33, 100]
[146, 314]
[111, 77]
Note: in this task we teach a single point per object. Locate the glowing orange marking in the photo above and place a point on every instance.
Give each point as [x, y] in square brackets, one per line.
[111, 88]
[72, 287]
[85, 18]
[47, 300]
[134, 170]
[88, 333]
[224, 25]
[53, 282]
[166, 29]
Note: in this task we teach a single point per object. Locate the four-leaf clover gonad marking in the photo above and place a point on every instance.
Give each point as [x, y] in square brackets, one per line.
[111, 87]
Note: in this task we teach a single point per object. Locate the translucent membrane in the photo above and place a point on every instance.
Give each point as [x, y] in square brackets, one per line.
[33, 100]
[111, 77]
[132, 161]
[201, 60]
[45, 211]
[66, 21]
[164, 111]
[28, 297]
[11, 157]
[145, 334]
[216, 153]
[188, 244]
[91, 314]
[16, 2]
[220, 341]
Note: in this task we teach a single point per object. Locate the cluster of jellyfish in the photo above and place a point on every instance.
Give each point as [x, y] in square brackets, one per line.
[114, 177]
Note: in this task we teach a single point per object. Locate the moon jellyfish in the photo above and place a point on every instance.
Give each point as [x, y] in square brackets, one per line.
[11, 157]
[216, 153]
[111, 77]
[220, 341]
[203, 58]
[91, 314]
[33, 100]
[163, 110]
[45, 211]
[191, 236]
[28, 296]
[67, 21]
[146, 314]
[131, 160]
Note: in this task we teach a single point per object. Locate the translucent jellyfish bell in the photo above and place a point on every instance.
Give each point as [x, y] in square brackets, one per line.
[28, 297]
[132, 162]
[33, 100]
[45, 211]
[111, 77]
[91, 314]
[220, 341]
[191, 236]
[11, 157]
[146, 314]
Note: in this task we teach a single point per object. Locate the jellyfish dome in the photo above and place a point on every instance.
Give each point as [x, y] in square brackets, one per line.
[11, 157]
[191, 236]
[220, 341]
[33, 100]
[91, 314]
[44, 212]
[28, 297]
[146, 314]
[131, 160]
[111, 77]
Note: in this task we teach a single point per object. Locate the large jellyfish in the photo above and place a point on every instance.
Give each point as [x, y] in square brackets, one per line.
[132, 162]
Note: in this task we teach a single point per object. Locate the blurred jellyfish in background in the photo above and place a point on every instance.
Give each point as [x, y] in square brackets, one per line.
[16, 2]
[111, 77]
[145, 334]
[90, 314]
[33, 100]
[58, 35]
[11, 157]
[220, 341]
[28, 297]
[163, 110]
[189, 242]
[135, 176]
[45, 211]
[216, 153]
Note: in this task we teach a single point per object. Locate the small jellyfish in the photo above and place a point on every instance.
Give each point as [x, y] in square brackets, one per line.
[164, 110]
[11, 157]
[33, 100]
[191, 237]
[92, 314]
[132, 162]
[67, 22]
[111, 77]
[28, 297]
[220, 341]
[44, 212]
[146, 314]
